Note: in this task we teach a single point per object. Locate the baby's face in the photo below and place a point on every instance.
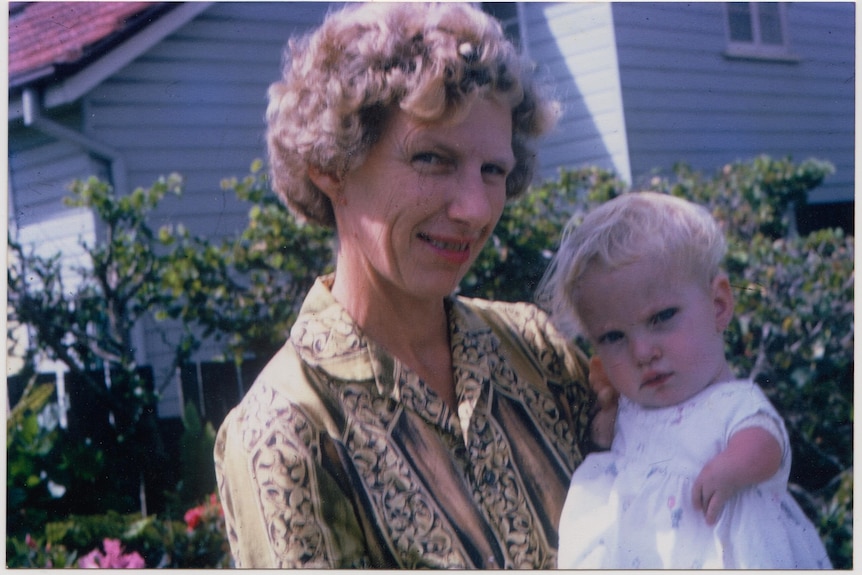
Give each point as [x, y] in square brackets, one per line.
[658, 332]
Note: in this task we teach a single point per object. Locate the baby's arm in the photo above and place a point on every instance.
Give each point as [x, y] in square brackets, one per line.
[752, 455]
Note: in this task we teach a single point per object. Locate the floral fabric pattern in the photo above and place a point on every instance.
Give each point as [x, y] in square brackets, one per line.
[340, 456]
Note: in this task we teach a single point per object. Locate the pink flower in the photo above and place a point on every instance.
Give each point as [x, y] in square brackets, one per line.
[193, 517]
[113, 558]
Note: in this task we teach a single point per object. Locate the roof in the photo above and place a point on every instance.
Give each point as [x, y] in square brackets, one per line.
[54, 39]
[61, 50]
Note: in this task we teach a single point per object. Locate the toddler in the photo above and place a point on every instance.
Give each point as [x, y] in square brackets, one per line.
[697, 473]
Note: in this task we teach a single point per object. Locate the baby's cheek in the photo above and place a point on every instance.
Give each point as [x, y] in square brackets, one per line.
[618, 373]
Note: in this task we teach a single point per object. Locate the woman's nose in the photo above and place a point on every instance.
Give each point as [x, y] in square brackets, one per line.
[474, 199]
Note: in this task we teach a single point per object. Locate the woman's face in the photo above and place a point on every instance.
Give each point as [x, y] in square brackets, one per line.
[414, 216]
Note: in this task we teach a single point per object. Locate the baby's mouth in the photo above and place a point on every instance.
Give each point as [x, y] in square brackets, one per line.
[655, 379]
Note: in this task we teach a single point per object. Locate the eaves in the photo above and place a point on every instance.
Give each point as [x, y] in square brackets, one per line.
[62, 84]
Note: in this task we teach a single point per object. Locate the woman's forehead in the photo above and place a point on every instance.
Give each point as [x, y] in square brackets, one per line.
[484, 122]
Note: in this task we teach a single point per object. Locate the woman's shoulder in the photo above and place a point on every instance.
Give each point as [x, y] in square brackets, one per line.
[502, 309]
[523, 319]
[525, 327]
[283, 397]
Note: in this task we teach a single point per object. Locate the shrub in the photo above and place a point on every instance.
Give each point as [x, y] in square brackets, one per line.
[89, 327]
[128, 541]
[246, 290]
[30, 553]
[44, 468]
[196, 461]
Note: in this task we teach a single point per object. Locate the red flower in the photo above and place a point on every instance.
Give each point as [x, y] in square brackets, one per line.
[193, 517]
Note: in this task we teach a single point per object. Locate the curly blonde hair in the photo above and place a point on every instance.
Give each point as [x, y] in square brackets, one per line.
[668, 230]
[341, 82]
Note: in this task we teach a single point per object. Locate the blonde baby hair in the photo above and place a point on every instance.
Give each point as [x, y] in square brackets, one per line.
[626, 229]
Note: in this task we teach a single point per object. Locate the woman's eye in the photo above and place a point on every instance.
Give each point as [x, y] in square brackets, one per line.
[495, 170]
[429, 158]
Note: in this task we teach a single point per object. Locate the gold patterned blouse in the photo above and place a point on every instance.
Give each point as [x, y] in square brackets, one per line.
[340, 456]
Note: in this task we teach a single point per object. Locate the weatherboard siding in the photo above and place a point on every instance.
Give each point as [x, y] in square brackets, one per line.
[686, 101]
[574, 45]
[194, 104]
[41, 170]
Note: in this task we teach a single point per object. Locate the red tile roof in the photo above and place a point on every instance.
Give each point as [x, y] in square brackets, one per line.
[45, 34]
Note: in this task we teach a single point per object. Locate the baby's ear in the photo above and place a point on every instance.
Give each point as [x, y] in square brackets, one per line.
[722, 299]
[328, 183]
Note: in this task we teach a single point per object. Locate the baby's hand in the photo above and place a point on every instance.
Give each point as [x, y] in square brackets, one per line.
[752, 455]
[711, 490]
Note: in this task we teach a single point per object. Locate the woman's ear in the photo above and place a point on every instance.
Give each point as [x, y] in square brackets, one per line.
[329, 184]
[722, 299]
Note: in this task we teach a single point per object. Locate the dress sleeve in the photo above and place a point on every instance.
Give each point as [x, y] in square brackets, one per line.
[235, 488]
[753, 409]
[767, 422]
[283, 507]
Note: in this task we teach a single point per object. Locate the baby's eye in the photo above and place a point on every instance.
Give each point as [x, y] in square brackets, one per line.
[664, 315]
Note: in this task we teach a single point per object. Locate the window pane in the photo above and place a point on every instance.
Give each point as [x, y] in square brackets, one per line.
[770, 23]
[739, 20]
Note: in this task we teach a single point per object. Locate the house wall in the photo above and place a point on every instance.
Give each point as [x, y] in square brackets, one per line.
[40, 171]
[685, 101]
[573, 43]
[194, 104]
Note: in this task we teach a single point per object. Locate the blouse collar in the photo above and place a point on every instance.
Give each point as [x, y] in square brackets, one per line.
[327, 338]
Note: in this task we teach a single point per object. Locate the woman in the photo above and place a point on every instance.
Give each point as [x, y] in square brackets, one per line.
[401, 426]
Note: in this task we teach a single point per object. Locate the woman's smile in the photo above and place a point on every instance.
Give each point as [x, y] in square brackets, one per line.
[454, 250]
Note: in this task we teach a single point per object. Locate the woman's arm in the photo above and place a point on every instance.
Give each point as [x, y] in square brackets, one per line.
[752, 456]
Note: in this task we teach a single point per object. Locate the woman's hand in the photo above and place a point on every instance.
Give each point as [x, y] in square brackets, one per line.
[605, 415]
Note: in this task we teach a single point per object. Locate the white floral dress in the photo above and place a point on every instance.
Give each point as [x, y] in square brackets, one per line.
[631, 507]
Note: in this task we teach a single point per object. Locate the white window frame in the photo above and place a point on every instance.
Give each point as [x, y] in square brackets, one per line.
[756, 48]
